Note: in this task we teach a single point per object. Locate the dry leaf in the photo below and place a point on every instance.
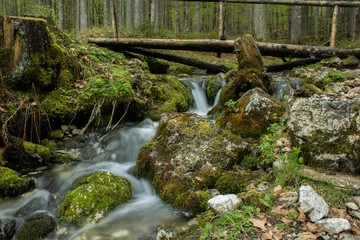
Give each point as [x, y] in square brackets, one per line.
[200, 179]
[266, 236]
[278, 189]
[250, 187]
[3, 110]
[306, 235]
[314, 228]
[302, 216]
[276, 234]
[279, 210]
[337, 213]
[285, 220]
[262, 224]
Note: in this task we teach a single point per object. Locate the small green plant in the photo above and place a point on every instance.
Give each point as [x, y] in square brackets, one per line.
[151, 144]
[231, 103]
[336, 76]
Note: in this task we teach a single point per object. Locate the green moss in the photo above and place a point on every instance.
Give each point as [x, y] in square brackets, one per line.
[194, 202]
[96, 195]
[182, 69]
[172, 191]
[58, 106]
[236, 182]
[48, 144]
[65, 79]
[40, 150]
[168, 95]
[64, 158]
[57, 134]
[213, 87]
[11, 184]
[36, 227]
[2, 161]
[157, 66]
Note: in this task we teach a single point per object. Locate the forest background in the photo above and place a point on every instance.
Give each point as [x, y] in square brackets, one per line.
[174, 19]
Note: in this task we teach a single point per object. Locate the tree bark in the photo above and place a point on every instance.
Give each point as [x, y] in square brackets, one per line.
[197, 17]
[113, 18]
[352, 24]
[304, 20]
[227, 46]
[177, 17]
[83, 15]
[295, 29]
[129, 14]
[61, 14]
[316, 22]
[334, 27]
[222, 16]
[139, 12]
[106, 13]
[121, 15]
[259, 22]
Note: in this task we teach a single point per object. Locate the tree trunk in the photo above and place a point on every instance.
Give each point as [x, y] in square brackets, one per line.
[352, 24]
[222, 15]
[113, 18]
[83, 15]
[197, 17]
[304, 20]
[177, 17]
[61, 14]
[121, 14]
[129, 14]
[106, 13]
[186, 18]
[334, 27]
[295, 29]
[316, 22]
[250, 18]
[139, 12]
[259, 22]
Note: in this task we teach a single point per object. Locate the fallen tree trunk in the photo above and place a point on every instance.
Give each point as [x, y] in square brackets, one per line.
[291, 65]
[227, 46]
[211, 68]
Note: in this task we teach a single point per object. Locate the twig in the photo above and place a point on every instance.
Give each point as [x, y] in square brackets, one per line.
[94, 113]
[290, 99]
[112, 115]
[4, 132]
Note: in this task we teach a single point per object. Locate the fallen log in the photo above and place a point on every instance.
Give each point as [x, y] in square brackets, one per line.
[291, 65]
[227, 46]
[210, 68]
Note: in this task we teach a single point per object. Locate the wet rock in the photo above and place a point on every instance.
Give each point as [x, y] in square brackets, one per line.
[287, 199]
[96, 195]
[312, 204]
[334, 225]
[224, 203]
[40, 202]
[332, 62]
[351, 61]
[11, 184]
[7, 228]
[188, 153]
[164, 233]
[214, 85]
[351, 206]
[328, 132]
[356, 200]
[251, 114]
[36, 227]
[348, 236]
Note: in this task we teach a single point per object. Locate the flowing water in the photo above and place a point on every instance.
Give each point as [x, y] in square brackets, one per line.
[116, 153]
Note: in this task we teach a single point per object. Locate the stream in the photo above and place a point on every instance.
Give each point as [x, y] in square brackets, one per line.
[116, 153]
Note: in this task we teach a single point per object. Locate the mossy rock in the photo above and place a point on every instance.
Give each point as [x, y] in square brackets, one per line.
[96, 195]
[164, 95]
[11, 184]
[32, 56]
[187, 155]
[43, 152]
[157, 66]
[236, 182]
[214, 85]
[192, 202]
[251, 114]
[36, 227]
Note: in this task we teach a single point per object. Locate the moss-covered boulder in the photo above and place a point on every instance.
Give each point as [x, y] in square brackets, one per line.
[37, 226]
[157, 66]
[188, 154]
[162, 94]
[11, 184]
[29, 55]
[214, 85]
[236, 182]
[251, 114]
[95, 196]
[328, 132]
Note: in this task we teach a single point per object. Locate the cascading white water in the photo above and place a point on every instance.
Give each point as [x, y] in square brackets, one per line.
[115, 153]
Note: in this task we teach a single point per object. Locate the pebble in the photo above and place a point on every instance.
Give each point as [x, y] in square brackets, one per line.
[351, 206]
[355, 214]
[356, 200]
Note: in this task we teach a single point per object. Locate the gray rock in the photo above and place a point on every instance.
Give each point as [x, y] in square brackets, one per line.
[327, 131]
[334, 225]
[224, 203]
[287, 202]
[36, 227]
[7, 228]
[355, 214]
[312, 204]
[165, 234]
[356, 200]
[40, 201]
[348, 236]
[351, 206]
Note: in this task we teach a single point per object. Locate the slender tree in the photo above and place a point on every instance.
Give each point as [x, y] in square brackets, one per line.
[197, 17]
[139, 12]
[129, 14]
[295, 29]
[106, 12]
[177, 17]
[83, 15]
[61, 14]
[259, 21]
[113, 18]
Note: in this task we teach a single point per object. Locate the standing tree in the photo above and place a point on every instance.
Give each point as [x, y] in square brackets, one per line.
[83, 15]
[113, 18]
[259, 21]
[177, 17]
[61, 14]
[129, 14]
[197, 17]
[139, 12]
[106, 12]
[295, 28]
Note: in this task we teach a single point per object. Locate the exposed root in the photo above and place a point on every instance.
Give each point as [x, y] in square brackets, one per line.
[112, 115]
[95, 112]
